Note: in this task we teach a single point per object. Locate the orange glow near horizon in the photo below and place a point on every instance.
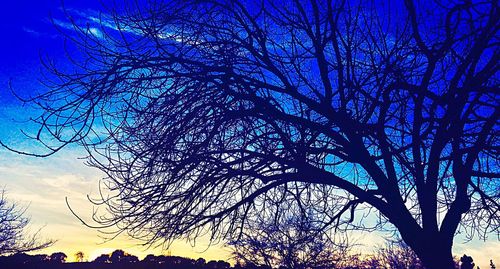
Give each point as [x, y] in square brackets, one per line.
[43, 184]
[92, 251]
[90, 243]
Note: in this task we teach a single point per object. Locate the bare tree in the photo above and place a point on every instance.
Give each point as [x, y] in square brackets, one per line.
[298, 240]
[199, 111]
[398, 255]
[14, 234]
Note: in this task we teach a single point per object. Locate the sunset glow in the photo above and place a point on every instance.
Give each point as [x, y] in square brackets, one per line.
[50, 188]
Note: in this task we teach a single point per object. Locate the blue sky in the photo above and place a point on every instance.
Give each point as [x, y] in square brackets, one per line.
[43, 184]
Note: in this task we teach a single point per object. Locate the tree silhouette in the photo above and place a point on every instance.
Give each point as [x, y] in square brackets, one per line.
[104, 258]
[14, 234]
[466, 262]
[395, 255]
[150, 258]
[398, 255]
[298, 241]
[200, 262]
[200, 111]
[79, 256]
[217, 265]
[117, 256]
[58, 257]
[120, 256]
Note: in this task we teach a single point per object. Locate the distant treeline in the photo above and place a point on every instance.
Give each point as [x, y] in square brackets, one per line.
[117, 260]
[121, 260]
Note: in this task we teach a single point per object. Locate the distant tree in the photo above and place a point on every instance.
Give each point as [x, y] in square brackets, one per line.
[200, 262]
[58, 257]
[103, 258]
[199, 111]
[150, 258]
[117, 256]
[120, 256]
[371, 262]
[79, 256]
[492, 265]
[161, 258]
[129, 258]
[19, 258]
[223, 264]
[297, 241]
[39, 258]
[398, 255]
[217, 265]
[14, 234]
[177, 261]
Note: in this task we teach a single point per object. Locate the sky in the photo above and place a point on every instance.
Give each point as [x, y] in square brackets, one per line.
[43, 184]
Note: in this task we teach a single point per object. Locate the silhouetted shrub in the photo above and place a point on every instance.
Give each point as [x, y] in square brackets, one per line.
[466, 262]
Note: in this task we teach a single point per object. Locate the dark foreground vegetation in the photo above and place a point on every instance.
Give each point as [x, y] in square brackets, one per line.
[394, 258]
[117, 259]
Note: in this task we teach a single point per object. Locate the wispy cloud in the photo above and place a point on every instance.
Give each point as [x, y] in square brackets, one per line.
[37, 33]
[93, 21]
[31, 31]
[96, 22]
[76, 27]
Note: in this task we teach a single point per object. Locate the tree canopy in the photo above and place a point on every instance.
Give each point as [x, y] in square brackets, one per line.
[202, 112]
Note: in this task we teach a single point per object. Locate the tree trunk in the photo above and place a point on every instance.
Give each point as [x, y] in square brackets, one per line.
[435, 254]
[441, 262]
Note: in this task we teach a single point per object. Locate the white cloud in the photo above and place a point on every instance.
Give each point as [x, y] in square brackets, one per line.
[93, 21]
[64, 24]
